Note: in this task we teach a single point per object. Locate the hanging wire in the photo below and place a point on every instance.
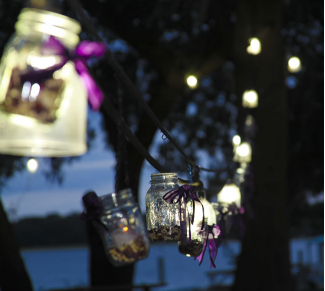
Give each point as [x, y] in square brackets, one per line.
[122, 76]
[121, 155]
[163, 137]
[189, 173]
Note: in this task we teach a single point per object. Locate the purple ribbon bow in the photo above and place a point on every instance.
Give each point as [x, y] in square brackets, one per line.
[84, 51]
[211, 239]
[93, 208]
[186, 192]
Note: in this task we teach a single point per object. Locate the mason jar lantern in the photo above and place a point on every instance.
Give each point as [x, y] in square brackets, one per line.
[43, 103]
[125, 238]
[163, 219]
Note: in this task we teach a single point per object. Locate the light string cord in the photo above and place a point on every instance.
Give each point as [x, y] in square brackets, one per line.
[163, 137]
[75, 4]
[121, 155]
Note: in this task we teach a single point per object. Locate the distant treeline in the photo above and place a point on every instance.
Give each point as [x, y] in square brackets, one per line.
[55, 230]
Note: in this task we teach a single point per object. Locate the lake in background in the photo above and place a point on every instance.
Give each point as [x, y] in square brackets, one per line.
[68, 267]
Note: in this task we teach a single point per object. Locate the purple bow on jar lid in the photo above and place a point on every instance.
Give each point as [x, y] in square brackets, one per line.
[93, 208]
[84, 51]
[212, 234]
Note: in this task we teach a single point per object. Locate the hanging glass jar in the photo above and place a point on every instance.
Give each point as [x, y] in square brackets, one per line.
[43, 103]
[125, 238]
[163, 219]
[209, 212]
[216, 207]
[192, 244]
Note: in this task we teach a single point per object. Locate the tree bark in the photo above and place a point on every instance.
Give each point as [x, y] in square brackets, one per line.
[13, 273]
[102, 272]
[264, 262]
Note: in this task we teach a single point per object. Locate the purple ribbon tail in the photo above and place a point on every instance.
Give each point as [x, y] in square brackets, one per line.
[95, 95]
[213, 251]
[200, 257]
[212, 232]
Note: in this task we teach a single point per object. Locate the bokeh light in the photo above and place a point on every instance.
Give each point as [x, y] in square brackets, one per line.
[236, 140]
[32, 165]
[250, 99]
[294, 65]
[254, 47]
[191, 81]
[230, 193]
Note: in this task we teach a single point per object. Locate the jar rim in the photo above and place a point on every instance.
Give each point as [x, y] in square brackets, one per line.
[164, 175]
[122, 194]
[34, 22]
[56, 19]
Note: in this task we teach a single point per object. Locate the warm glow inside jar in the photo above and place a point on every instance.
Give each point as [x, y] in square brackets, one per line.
[163, 219]
[126, 240]
[43, 103]
[192, 244]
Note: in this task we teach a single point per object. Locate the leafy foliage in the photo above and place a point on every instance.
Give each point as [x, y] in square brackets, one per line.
[159, 43]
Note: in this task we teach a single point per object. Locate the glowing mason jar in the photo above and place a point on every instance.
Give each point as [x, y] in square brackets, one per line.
[43, 103]
[163, 219]
[125, 239]
[192, 244]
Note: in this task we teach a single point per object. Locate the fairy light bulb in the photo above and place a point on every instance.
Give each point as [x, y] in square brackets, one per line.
[32, 165]
[243, 153]
[243, 150]
[254, 47]
[191, 81]
[236, 140]
[294, 65]
[250, 99]
[229, 194]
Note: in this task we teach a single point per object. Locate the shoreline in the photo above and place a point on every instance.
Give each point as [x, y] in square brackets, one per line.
[55, 247]
[85, 246]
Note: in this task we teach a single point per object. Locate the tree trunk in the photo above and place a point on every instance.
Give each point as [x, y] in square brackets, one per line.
[264, 263]
[102, 272]
[13, 274]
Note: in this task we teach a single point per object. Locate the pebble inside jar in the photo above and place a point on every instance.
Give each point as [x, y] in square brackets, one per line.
[163, 219]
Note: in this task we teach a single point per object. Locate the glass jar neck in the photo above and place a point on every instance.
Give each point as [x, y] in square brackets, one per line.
[36, 23]
[114, 200]
[164, 178]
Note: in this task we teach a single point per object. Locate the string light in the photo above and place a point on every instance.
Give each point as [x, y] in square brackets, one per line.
[191, 81]
[250, 99]
[254, 47]
[230, 193]
[236, 140]
[294, 65]
[243, 153]
[32, 165]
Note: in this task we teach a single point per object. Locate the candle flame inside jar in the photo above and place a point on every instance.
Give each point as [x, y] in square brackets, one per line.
[125, 229]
